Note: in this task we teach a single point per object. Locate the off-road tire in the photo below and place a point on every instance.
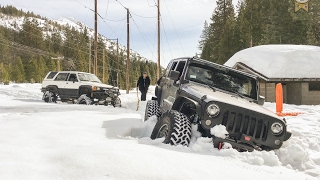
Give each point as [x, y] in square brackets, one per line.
[152, 108]
[49, 97]
[178, 128]
[84, 99]
[116, 102]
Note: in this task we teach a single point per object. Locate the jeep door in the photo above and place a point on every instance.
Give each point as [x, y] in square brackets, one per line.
[171, 86]
[72, 85]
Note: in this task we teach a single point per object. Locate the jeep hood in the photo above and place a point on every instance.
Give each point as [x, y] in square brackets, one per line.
[97, 84]
[232, 99]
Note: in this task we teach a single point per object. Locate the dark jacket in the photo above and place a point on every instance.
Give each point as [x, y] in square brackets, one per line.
[143, 83]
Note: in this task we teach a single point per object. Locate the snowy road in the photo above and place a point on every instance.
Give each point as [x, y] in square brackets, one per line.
[66, 141]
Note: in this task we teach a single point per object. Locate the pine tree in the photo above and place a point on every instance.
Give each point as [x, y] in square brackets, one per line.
[32, 70]
[26, 65]
[220, 45]
[204, 36]
[4, 74]
[41, 69]
[51, 64]
[17, 73]
[31, 34]
[281, 28]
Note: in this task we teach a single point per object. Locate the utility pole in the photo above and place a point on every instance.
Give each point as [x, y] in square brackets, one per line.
[95, 37]
[158, 66]
[118, 62]
[103, 63]
[118, 66]
[128, 53]
[89, 54]
[58, 61]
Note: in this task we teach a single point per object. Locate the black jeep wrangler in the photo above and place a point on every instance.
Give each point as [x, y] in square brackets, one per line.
[208, 94]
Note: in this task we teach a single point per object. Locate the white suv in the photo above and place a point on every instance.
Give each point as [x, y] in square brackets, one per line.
[79, 87]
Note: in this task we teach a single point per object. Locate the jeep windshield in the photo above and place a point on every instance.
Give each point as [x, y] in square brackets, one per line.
[223, 79]
[88, 77]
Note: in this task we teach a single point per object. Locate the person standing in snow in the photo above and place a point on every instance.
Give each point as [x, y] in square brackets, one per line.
[143, 85]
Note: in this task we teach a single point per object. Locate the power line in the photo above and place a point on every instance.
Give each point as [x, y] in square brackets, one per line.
[107, 9]
[174, 27]
[166, 37]
[143, 16]
[39, 51]
[137, 25]
[121, 4]
[135, 13]
[63, 45]
[142, 35]
[60, 44]
[155, 4]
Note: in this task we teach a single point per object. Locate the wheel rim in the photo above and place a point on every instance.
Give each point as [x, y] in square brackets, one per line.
[163, 131]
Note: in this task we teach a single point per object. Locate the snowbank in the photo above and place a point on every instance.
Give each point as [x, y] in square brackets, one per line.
[66, 141]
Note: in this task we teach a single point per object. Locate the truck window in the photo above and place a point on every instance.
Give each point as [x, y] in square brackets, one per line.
[180, 67]
[171, 66]
[168, 68]
[61, 77]
[73, 78]
[174, 65]
[51, 75]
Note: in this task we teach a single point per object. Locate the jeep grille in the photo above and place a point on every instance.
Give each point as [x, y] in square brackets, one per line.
[241, 123]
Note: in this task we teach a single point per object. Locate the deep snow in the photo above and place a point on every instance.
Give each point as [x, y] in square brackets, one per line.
[67, 141]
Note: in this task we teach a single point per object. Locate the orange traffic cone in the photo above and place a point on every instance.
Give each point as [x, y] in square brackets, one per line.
[279, 103]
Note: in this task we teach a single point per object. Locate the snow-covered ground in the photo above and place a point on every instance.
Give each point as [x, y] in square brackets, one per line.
[68, 141]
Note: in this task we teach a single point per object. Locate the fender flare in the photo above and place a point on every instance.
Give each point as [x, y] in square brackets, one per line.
[53, 89]
[181, 101]
[85, 89]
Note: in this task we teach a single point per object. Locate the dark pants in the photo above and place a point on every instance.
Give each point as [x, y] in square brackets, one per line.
[143, 93]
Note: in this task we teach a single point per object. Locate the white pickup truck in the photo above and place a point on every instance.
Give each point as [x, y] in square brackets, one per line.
[78, 87]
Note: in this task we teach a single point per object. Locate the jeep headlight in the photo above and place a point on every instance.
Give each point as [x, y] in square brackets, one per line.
[213, 110]
[276, 128]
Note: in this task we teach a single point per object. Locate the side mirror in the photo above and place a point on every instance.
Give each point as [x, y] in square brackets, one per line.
[261, 100]
[174, 75]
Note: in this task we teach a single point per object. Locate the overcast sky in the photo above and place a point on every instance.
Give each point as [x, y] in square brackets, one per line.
[182, 21]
